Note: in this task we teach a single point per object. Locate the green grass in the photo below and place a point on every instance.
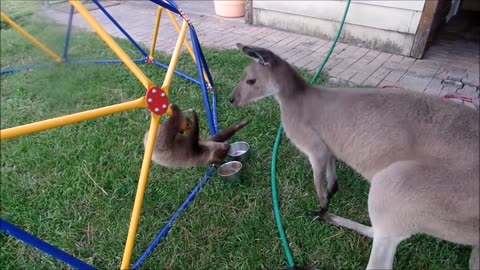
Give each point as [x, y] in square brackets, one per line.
[49, 180]
[18, 11]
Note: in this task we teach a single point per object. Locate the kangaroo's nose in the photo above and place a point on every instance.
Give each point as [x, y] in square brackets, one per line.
[227, 146]
[231, 99]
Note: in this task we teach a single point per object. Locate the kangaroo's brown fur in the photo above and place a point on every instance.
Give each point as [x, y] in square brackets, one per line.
[419, 153]
[174, 149]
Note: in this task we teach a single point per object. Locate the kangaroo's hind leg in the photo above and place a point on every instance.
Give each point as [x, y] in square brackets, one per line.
[474, 262]
[384, 244]
[389, 215]
[396, 202]
[383, 251]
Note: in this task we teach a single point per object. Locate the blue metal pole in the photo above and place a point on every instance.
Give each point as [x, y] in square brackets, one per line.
[214, 111]
[166, 5]
[202, 56]
[173, 3]
[179, 73]
[38, 243]
[142, 51]
[209, 76]
[206, 102]
[172, 219]
[28, 67]
[67, 34]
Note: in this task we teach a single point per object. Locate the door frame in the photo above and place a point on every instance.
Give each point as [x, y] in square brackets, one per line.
[424, 28]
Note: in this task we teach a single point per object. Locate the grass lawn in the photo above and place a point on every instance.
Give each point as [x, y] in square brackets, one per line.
[50, 180]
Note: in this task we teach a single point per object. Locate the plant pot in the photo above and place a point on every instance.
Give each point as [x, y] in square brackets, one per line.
[230, 8]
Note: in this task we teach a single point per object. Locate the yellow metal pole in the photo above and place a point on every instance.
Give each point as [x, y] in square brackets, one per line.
[112, 44]
[177, 27]
[69, 119]
[187, 44]
[142, 183]
[155, 32]
[31, 38]
[174, 58]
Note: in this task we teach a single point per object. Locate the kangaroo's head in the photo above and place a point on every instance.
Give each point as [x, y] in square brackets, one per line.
[260, 78]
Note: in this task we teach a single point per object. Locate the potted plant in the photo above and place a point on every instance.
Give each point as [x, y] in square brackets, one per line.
[230, 8]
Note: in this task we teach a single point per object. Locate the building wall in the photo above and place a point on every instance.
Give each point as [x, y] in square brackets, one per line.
[389, 26]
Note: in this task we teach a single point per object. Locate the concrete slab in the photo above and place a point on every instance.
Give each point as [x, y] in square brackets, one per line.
[445, 61]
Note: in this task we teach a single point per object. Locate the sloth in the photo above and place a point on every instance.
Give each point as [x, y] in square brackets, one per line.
[174, 149]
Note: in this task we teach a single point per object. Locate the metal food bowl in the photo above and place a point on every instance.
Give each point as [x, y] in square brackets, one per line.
[239, 151]
[230, 171]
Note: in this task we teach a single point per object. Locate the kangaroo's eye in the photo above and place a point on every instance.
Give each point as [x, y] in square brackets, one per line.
[251, 81]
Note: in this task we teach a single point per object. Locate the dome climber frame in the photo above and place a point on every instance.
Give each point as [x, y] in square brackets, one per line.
[155, 99]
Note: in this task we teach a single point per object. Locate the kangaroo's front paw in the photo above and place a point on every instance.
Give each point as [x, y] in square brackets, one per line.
[317, 213]
[329, 218]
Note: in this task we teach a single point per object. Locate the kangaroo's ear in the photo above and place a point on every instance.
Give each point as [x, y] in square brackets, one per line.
[261, 55]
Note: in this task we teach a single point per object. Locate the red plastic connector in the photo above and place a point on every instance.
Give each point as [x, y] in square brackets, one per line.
[157, 100]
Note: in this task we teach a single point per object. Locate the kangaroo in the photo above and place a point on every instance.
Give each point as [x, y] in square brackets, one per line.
[175, 150]
[419, 153]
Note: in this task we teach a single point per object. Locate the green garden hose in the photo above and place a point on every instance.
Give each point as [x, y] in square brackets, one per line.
[276, 208]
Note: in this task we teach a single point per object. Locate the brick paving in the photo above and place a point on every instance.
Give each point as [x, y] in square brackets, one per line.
[448, 66]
